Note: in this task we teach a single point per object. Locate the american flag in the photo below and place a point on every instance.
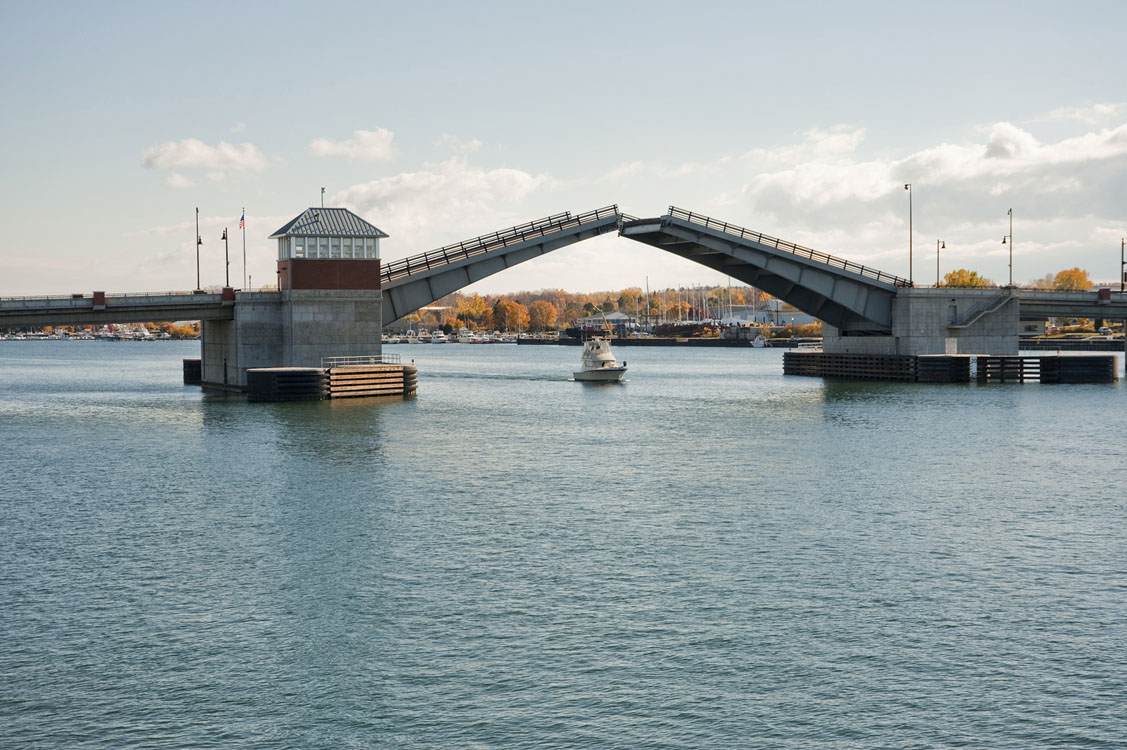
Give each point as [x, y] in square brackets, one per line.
[242, 219]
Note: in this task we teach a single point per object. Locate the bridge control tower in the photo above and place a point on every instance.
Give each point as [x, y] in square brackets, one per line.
[328, 303]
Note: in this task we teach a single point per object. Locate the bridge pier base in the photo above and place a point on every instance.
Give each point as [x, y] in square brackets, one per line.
[939, 321]
[291, 328]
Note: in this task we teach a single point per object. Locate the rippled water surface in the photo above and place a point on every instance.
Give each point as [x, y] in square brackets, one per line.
[708, 555]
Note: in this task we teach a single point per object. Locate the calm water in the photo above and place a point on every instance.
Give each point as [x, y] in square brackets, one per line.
[709, 555]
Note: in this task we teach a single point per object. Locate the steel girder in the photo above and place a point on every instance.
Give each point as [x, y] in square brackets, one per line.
[406, 295]
[853, 303]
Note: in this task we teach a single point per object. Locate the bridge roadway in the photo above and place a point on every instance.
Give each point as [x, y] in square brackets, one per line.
[89, 309]
[852, 297]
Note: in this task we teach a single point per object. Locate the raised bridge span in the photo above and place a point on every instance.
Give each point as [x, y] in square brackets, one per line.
[848, 295]
[856, 299]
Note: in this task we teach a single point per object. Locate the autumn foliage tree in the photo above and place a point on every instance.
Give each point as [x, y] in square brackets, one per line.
[961, 277]
[509, 315]
[1072, 280]
[542, 314]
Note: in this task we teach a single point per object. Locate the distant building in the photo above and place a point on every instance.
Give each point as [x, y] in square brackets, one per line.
[770, 312]
[611, 318]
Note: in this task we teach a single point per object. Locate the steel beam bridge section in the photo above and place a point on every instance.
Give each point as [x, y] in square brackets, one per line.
[855, 299]
[22, 312]
[1040, 305]
[417, 281]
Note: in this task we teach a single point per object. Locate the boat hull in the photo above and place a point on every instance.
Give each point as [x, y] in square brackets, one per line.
[601, 375]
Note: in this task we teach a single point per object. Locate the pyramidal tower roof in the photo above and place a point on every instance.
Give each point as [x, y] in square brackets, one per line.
[328, 222]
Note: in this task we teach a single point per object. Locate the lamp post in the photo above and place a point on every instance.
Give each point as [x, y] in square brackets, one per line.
[1123, 278]
[938, 244]
[226, 259]
[1010, 237]
[908, 187]
[198, 243]
[1122, 265]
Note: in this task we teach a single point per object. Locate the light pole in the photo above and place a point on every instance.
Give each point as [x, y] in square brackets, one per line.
[908, 187]
[226, 259]
[1010, 237]
[938, 244]
[198, 243]
[1122, 265]
[243, 229]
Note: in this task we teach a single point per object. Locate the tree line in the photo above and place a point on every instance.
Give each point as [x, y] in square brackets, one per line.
[1068, 280]
[546, 308]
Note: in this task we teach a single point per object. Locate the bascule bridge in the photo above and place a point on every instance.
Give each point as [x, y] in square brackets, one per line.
[334, 295]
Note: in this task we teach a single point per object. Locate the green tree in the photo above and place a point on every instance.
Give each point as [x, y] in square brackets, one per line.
[501, 315]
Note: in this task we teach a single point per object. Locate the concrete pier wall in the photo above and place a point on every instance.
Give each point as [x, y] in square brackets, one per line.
[219, 365]
[295, 328]
[330, 323]
[940, 321]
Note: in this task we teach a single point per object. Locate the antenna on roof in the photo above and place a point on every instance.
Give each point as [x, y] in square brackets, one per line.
[322, 197]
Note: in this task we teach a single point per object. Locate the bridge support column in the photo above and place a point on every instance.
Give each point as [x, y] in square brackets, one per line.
[940, 321]
[294, 328]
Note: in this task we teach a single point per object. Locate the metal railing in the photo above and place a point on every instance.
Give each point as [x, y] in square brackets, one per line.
[109, 295]
[789, 247]
[361, 359]
[398, 269]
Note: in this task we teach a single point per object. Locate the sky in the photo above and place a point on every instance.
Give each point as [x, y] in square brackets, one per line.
[438, 122]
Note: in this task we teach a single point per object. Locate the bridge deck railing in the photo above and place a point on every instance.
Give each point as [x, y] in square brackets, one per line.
[488, 242]
[109, 295]
[789, 247]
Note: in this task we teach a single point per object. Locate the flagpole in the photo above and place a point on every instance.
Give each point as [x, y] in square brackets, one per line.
[243, 226]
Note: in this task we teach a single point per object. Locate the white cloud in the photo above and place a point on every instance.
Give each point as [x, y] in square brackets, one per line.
[194, 153]
[821, 192]
[238, 127]
[367, 145]
[441, 203]
[1093, 114]
[177, 180]
[457, 145]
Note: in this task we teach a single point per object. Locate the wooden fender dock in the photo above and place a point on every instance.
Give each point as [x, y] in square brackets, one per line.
[351, 377]
[351, 381]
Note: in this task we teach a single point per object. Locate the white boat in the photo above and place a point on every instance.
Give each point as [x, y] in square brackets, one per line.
[599, 364]
[438, 337]
[759, 342]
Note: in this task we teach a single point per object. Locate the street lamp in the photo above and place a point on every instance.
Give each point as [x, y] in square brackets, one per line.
[226, 258]
[199, 242]
[1010, 237]
[938, 244]
[1122, 265]
[908, 187]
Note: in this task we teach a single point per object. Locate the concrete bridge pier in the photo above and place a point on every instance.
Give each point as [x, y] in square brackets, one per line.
[940, 321]
[293, 328]
[329, 303]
